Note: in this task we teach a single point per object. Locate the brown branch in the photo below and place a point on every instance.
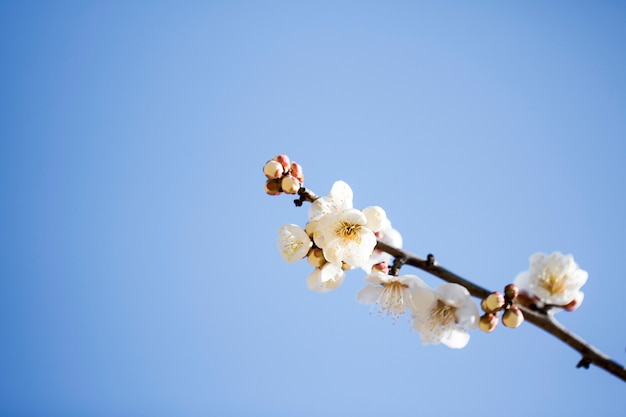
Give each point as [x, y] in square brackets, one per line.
[543, 320]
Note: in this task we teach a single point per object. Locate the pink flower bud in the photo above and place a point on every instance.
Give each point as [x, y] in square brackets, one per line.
[272, 187]
[381, 267]
[511, 291]
[290, 184]
[296, 171]
[571, 306]
[284, 161]
[273, 169]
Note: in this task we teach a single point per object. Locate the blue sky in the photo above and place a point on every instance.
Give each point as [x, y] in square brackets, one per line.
[140, 274]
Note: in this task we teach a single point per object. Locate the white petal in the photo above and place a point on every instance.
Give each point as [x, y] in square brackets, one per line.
[325, 279]
[353, 216]
[377, 278]
[375, 258]
[413, 281]
[339, 198]
[332, 276]
[423, 299]
[358, 253]
[577, 279]
[376, 217]
[334, 251]
[293, 242]
[341, 194]
[468, 315]
[369, 294]
[314, 280]
[455, 338]
[454, 295]
[392, 237]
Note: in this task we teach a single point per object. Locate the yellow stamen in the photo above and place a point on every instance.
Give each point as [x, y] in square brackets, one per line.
[348, 231]
[442, 315]
[554, 284]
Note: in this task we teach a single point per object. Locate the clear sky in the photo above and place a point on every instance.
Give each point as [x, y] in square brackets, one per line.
[140, 275]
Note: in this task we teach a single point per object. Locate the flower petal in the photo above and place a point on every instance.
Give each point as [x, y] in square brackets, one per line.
[454, 295]
[369, 294]
[293, 243]
[456, 338]
[423, 299]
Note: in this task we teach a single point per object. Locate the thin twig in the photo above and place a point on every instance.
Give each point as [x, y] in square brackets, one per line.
[543, 320]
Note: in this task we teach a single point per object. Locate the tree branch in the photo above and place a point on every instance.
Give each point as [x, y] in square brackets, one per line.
[541, 319]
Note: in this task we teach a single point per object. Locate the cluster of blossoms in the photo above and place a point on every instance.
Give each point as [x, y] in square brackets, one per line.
[339, 237]
[442, 315]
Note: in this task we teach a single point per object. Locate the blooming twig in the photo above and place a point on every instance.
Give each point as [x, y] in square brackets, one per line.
[541, 319]
[339, 237]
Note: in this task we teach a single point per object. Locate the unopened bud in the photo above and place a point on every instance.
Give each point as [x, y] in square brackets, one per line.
[296, 171]
[381, 267]
[273, 169]
[284, 161]
[493, 302]
[513, 317]
[272, 187]
[511, 291]
[575, 303]
[310, 228]
[525, 299]
[488, 322]
[346, 267]
[290, 184]
[316, 257]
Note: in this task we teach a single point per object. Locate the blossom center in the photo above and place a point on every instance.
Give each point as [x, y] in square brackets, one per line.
[393, 298]
[553, 283]
[348, 231]
[291, 245]
[443, 315]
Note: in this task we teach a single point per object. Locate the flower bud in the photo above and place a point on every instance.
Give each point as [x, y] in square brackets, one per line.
[488, 322]
[296, 171]
[284, 161]
[316, 258]
[381, 267]
[525, 299]
[290, 184]
[310, 228]
[272, 187]
[273, 169]
[575, 303]
[513, 317]
[493, 302]
[511, 291]
[346, 267]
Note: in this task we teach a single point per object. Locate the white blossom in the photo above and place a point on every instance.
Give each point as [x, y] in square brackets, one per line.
[378, 222]
[448, 316]
[394, 295]
[293, 242]
[327, 278]
[344, 238]
[338, 199]
[553, 279]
